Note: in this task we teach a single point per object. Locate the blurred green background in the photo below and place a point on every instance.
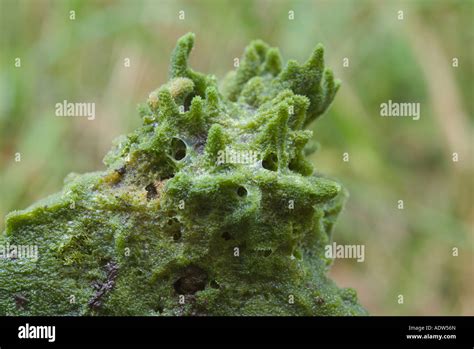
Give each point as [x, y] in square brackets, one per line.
[408, 251]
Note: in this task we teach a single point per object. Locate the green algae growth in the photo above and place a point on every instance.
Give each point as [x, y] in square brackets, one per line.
[209, 208]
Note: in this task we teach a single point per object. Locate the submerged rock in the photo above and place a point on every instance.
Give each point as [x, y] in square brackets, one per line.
[176, 225]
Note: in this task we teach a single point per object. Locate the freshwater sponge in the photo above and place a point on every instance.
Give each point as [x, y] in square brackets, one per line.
[209, 208]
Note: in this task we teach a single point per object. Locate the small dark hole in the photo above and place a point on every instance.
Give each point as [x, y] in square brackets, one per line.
[178, 149]
[177, 236]
[226, 236]
[292, 166]
[264, 253]
[121, 171]
[214, 284]
[174, 229]
[241, 191]
[180, 154]
[172, 221]
[187, 102]
[168, 176]
[151, 191]
[270, 162]
[193, 280]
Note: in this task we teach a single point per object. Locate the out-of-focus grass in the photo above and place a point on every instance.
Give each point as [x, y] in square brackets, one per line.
[408, 251]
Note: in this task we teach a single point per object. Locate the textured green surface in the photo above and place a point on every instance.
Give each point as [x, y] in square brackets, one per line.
[167, 218]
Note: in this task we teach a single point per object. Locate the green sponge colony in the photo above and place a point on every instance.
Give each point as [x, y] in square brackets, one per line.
[209, 208]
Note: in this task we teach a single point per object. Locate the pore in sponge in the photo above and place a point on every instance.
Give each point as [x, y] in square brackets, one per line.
[209, 208]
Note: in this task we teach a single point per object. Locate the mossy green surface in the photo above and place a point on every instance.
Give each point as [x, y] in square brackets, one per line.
[171, 229]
